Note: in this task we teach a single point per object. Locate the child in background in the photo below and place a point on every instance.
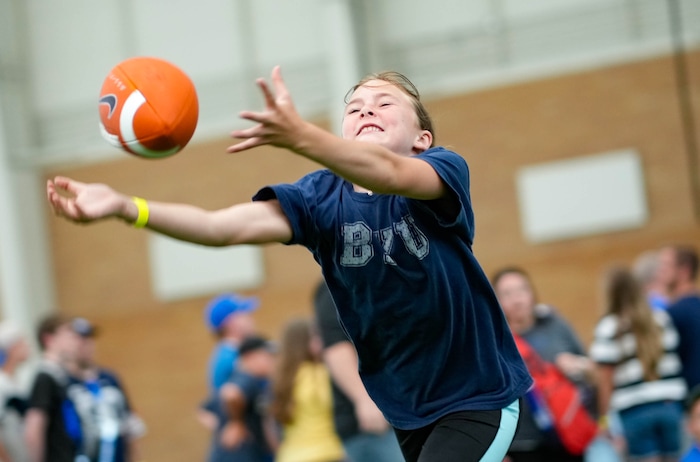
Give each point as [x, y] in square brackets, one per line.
[242, 434]
[301, 398]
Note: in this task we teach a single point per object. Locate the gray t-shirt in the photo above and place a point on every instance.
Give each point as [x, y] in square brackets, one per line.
[549, 336]
[552, 335]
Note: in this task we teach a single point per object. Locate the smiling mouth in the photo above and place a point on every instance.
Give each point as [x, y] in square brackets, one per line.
[369, 129]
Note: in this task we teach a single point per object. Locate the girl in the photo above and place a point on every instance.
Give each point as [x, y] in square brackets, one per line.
[390, 222]
[639, 370]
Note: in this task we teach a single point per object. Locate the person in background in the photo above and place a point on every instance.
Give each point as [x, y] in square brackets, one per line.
[242, 433]
[555, 342]
[51, 422]
[301, 398]
[14, 351]
[108, 425]
[692, 409]
[653, 269]
[685, 310]
[229, 317]
[639, 371]
[359, 423]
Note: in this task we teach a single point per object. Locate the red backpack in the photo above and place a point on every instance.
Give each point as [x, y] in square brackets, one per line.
[572, 423]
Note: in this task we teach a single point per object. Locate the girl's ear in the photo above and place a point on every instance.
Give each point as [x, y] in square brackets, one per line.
[423, 141]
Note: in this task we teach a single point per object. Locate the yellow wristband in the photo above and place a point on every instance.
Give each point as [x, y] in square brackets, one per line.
[142, 207]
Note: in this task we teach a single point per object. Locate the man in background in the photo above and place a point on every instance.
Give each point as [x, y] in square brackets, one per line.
[364, 432]
[51, 423]
[108, 425]
[685, 310]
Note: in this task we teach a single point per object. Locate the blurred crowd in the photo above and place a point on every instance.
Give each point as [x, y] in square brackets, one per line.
[74, 410]
[632, 394]
[636, 379]
[625, 396]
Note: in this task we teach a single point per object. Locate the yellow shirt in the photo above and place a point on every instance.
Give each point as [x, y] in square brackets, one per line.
[311, 437]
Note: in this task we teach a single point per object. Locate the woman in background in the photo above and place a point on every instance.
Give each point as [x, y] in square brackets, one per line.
[639, 370]
[301, 400]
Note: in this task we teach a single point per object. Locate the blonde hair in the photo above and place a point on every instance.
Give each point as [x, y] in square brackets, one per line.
[624, 299]
[403, 83]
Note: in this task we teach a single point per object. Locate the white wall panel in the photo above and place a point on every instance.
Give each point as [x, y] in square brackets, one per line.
[183, 270]
[287, 32]
[201, 37]
[445, 46]
[412, 19]
[10, 26]
[74, 44]
[519, 9]
[582, 196]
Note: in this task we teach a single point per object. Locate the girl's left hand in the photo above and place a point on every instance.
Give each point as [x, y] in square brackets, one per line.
[279, 124]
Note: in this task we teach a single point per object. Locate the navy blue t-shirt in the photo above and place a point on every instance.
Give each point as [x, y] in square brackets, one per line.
[254, 448]
[685, 313]
[430, 335]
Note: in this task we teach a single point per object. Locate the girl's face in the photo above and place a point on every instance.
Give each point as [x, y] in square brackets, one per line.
[381, 113]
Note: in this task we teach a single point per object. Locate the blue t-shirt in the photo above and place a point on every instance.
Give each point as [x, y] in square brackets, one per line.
[685, 313]
[430, 335]
[222, 364]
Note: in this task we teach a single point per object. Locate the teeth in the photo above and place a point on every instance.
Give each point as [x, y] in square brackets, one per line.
[371, 128]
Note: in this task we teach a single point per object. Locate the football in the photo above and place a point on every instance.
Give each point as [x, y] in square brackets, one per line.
[148, 107]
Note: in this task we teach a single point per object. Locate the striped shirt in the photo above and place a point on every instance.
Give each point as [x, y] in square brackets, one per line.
[620, 350]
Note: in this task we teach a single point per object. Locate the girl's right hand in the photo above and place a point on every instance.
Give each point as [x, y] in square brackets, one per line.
[83, 202]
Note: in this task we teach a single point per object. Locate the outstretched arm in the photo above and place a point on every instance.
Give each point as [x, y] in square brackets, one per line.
[369, 165]
[246, 223]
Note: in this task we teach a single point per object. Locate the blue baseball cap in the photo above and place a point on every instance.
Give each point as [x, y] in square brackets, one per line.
[223, 306]
[83, 327]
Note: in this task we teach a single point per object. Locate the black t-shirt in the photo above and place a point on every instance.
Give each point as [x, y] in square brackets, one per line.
[49, 396]
[331, 331]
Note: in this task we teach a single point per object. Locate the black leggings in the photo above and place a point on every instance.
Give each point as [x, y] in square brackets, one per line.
[458, 437]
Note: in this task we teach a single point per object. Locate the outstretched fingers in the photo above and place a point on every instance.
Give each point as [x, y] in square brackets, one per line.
[62, 205]
[275, 123]
[243, 145]
[267, 94]
[278, 83]
[68, 185]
